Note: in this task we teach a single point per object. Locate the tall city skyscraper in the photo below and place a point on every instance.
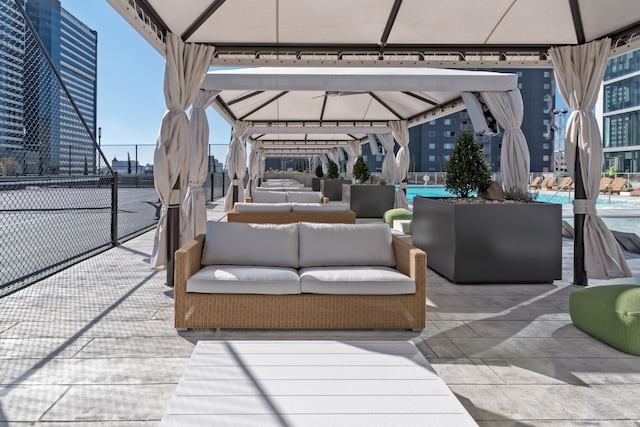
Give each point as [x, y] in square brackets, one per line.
[40, 128]
[620, 109]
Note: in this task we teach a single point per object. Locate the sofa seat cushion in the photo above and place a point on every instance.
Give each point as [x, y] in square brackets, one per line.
[320, 207]
[262, 245]
[331, 245]
[233, 279]
[269, 197]
[361, 280]
[262, 207]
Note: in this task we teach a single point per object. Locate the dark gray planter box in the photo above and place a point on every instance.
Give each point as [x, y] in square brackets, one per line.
[490, 243]
[369, 201]
[332, 188]
[315, 184]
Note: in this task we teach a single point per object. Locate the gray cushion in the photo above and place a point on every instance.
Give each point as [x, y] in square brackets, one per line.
[269, 197]
[262, 207]
[323, 207]
[235, 243]
[232, 279]
[304, 196]
[345, 244]
[368, 280]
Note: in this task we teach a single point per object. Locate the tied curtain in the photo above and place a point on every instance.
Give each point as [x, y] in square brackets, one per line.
[254, 165]
[353, 151]
[185, 68]
[389, 161]
[508, 110]
[236, 163]
[400, 131]
[579, 72]
[194, 204]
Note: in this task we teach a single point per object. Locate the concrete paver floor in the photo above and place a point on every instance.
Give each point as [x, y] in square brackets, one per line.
[95, 345]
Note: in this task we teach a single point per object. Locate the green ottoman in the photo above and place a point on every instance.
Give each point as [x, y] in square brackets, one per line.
[398, 214]
[610, 313]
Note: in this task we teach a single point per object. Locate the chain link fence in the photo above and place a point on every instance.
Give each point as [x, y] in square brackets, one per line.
[61, 201]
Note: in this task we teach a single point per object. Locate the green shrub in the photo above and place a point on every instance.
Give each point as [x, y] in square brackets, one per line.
[361, 170]
[467, 169]
[333, 172]
[319, 172]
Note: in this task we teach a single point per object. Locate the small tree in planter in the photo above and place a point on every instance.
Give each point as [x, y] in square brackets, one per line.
[319, 172]
[468, 170]
[361, 170]
[333, 171]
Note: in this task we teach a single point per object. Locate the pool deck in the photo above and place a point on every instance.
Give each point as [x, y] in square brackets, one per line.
[94, 345]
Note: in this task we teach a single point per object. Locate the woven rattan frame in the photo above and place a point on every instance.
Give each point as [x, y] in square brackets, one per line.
[346, 217]
[302, 311]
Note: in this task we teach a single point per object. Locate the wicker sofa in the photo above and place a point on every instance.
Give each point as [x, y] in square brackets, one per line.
[286, 213]
[318, 304]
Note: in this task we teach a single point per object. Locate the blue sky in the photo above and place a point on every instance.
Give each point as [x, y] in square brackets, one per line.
[130, 86]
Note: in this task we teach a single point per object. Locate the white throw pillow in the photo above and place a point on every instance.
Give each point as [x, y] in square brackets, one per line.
[269, 197]
[234, 243]
[304, 197]
[262, 207]
[345, 244]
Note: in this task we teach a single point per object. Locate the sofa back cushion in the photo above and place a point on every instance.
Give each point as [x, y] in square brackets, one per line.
[269, 197]
[304, 196]
[345, 244]
[262, 207]
[320, 207]
[234, 243]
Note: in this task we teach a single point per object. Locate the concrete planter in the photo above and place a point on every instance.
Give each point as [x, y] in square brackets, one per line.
[332, 188]
[490, 243]
[315, 184]
[369, 201]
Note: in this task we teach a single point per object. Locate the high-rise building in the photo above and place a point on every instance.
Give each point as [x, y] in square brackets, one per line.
[620, 112]
[73, 49]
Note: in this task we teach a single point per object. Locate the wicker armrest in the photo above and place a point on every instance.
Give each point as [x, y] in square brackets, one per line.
[412, 261]
[187, 263]
[247, 199]
[325, 199]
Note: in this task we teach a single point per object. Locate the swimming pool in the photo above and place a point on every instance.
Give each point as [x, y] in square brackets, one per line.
[560, 198]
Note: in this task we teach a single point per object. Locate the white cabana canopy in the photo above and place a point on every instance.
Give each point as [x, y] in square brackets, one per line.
[381, 33]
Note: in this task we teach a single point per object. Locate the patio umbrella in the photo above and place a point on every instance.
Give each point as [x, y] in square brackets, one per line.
[194, 203]
[389, 161]
[400, 132]
[508, 110]
[185, 68]
[579, 72]
[236, 164]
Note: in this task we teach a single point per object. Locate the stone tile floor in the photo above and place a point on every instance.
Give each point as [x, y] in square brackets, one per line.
[94, 345]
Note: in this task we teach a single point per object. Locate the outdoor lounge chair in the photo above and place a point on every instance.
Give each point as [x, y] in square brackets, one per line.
[615, 187]
[548, 182]
[564, 184]
[536, 182]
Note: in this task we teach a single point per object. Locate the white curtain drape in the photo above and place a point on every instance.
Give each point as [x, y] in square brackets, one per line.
[389, 161]
[508, 110]
[254, 165]
[185, 68]
[373, 144]
[353, 151]
[324, 158]
[236, 163]
[400, 131]
[194, 204]
[263, 162]
[579, 71]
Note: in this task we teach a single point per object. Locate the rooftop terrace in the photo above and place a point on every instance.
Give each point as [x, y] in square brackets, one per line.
[95, 345]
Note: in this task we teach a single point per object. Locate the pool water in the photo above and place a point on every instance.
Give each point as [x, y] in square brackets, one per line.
[560, 198]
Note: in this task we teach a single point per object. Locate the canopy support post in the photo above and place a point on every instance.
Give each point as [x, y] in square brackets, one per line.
[579, 273]
[173, 231]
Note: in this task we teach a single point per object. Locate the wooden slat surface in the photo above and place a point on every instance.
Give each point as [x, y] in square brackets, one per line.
[312, 383]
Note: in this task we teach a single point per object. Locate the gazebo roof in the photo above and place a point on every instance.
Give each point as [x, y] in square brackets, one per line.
[449, 33]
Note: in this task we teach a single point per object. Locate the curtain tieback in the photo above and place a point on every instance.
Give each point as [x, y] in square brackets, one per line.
[584, 207]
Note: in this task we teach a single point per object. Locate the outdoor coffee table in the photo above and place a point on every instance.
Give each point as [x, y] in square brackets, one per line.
[312, 383]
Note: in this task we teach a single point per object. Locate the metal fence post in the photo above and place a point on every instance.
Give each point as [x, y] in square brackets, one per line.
[213, 185]
[114, 210]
